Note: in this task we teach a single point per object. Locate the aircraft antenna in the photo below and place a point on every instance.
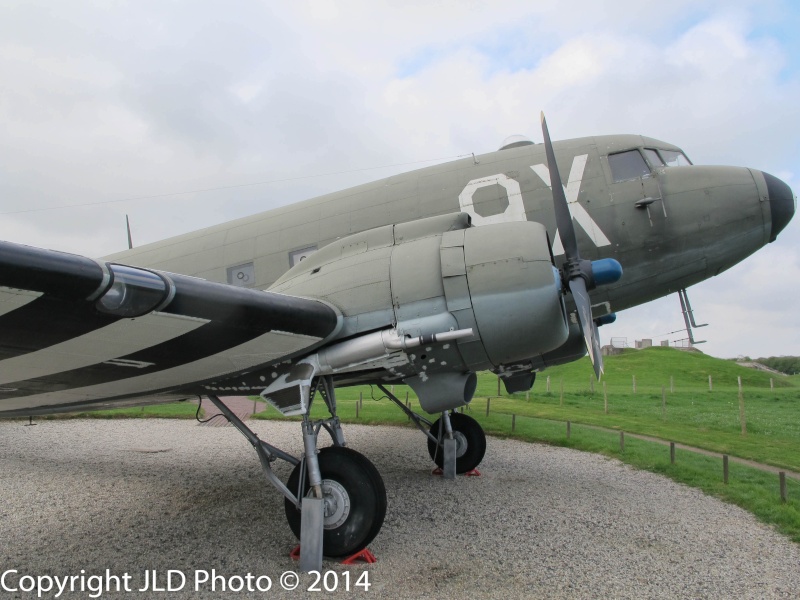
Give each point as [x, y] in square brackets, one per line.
[128, 226]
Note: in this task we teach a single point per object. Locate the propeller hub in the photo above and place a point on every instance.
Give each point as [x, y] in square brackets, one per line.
[606, 271]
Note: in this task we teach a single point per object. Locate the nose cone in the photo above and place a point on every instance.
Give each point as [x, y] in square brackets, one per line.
[781, 204]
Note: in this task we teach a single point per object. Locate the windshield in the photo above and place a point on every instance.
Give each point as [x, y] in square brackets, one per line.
[631, 164]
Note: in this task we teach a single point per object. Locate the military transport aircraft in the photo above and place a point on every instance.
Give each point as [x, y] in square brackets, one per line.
[422, 278]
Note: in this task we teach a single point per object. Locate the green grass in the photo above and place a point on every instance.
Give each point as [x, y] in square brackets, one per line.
[172, 410]
[693, 414]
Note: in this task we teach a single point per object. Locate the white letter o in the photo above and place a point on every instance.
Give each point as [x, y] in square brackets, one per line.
[515, 211]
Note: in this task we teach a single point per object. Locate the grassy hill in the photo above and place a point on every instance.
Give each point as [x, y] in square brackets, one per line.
[653, 367]
[691, 413]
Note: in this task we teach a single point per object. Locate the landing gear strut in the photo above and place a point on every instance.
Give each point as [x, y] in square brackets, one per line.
[335, 499]
[464, 438]
[470, 442]
[354, 501]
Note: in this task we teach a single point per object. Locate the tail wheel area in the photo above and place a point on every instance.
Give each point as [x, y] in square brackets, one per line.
[355, 501]
[470, 442]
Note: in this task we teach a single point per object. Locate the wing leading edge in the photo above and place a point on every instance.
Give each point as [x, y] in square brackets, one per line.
[75, 332]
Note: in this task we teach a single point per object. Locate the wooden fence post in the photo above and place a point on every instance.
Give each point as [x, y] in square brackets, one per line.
[725, 469]
[782, 482]
[488, 401]
[771, 383]
[741, 408]
[710, 384]
[672, 453]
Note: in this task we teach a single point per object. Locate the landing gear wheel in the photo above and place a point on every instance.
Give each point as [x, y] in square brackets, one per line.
[355, 501]
[470, 443]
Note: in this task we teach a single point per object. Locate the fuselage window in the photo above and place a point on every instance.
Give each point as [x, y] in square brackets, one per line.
[628, 165]
[653, 157]
[675, 158]
[134, 292]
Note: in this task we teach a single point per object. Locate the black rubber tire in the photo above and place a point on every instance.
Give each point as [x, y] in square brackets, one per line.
[367, 495]
[474, 437]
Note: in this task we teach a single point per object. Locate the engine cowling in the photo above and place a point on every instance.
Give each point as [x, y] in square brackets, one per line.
[435, 275]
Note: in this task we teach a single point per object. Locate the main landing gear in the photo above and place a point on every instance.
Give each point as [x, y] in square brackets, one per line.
[354, 501]
[456, 442]
[470, 442]
[335, 499]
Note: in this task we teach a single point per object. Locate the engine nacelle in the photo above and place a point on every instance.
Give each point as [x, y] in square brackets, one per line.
[436, 275]
[515, 290]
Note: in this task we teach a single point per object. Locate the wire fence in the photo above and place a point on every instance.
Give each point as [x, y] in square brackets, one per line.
[595, 438]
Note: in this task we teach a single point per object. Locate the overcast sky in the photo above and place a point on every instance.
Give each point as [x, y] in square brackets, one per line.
[102, 102]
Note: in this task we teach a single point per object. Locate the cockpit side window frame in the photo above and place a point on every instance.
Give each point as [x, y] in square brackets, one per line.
[654, 158]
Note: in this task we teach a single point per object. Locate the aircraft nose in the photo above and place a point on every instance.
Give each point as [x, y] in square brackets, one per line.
[781, 204]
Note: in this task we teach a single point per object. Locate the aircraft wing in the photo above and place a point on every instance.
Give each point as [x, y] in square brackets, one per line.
[77, 333]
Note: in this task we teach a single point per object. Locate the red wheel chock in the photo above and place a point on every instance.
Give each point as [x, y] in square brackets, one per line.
[472, 473]
[363, 555]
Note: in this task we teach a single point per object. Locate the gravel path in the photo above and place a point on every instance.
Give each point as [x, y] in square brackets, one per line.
[544, 522]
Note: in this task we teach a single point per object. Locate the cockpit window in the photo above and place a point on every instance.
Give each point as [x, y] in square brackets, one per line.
[675, 158]
[628, 165]
[653, 157]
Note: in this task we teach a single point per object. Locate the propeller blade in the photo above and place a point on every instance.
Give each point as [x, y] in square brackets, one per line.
[563, 216]
[578, 271]
[597, 351]
[590, 336]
